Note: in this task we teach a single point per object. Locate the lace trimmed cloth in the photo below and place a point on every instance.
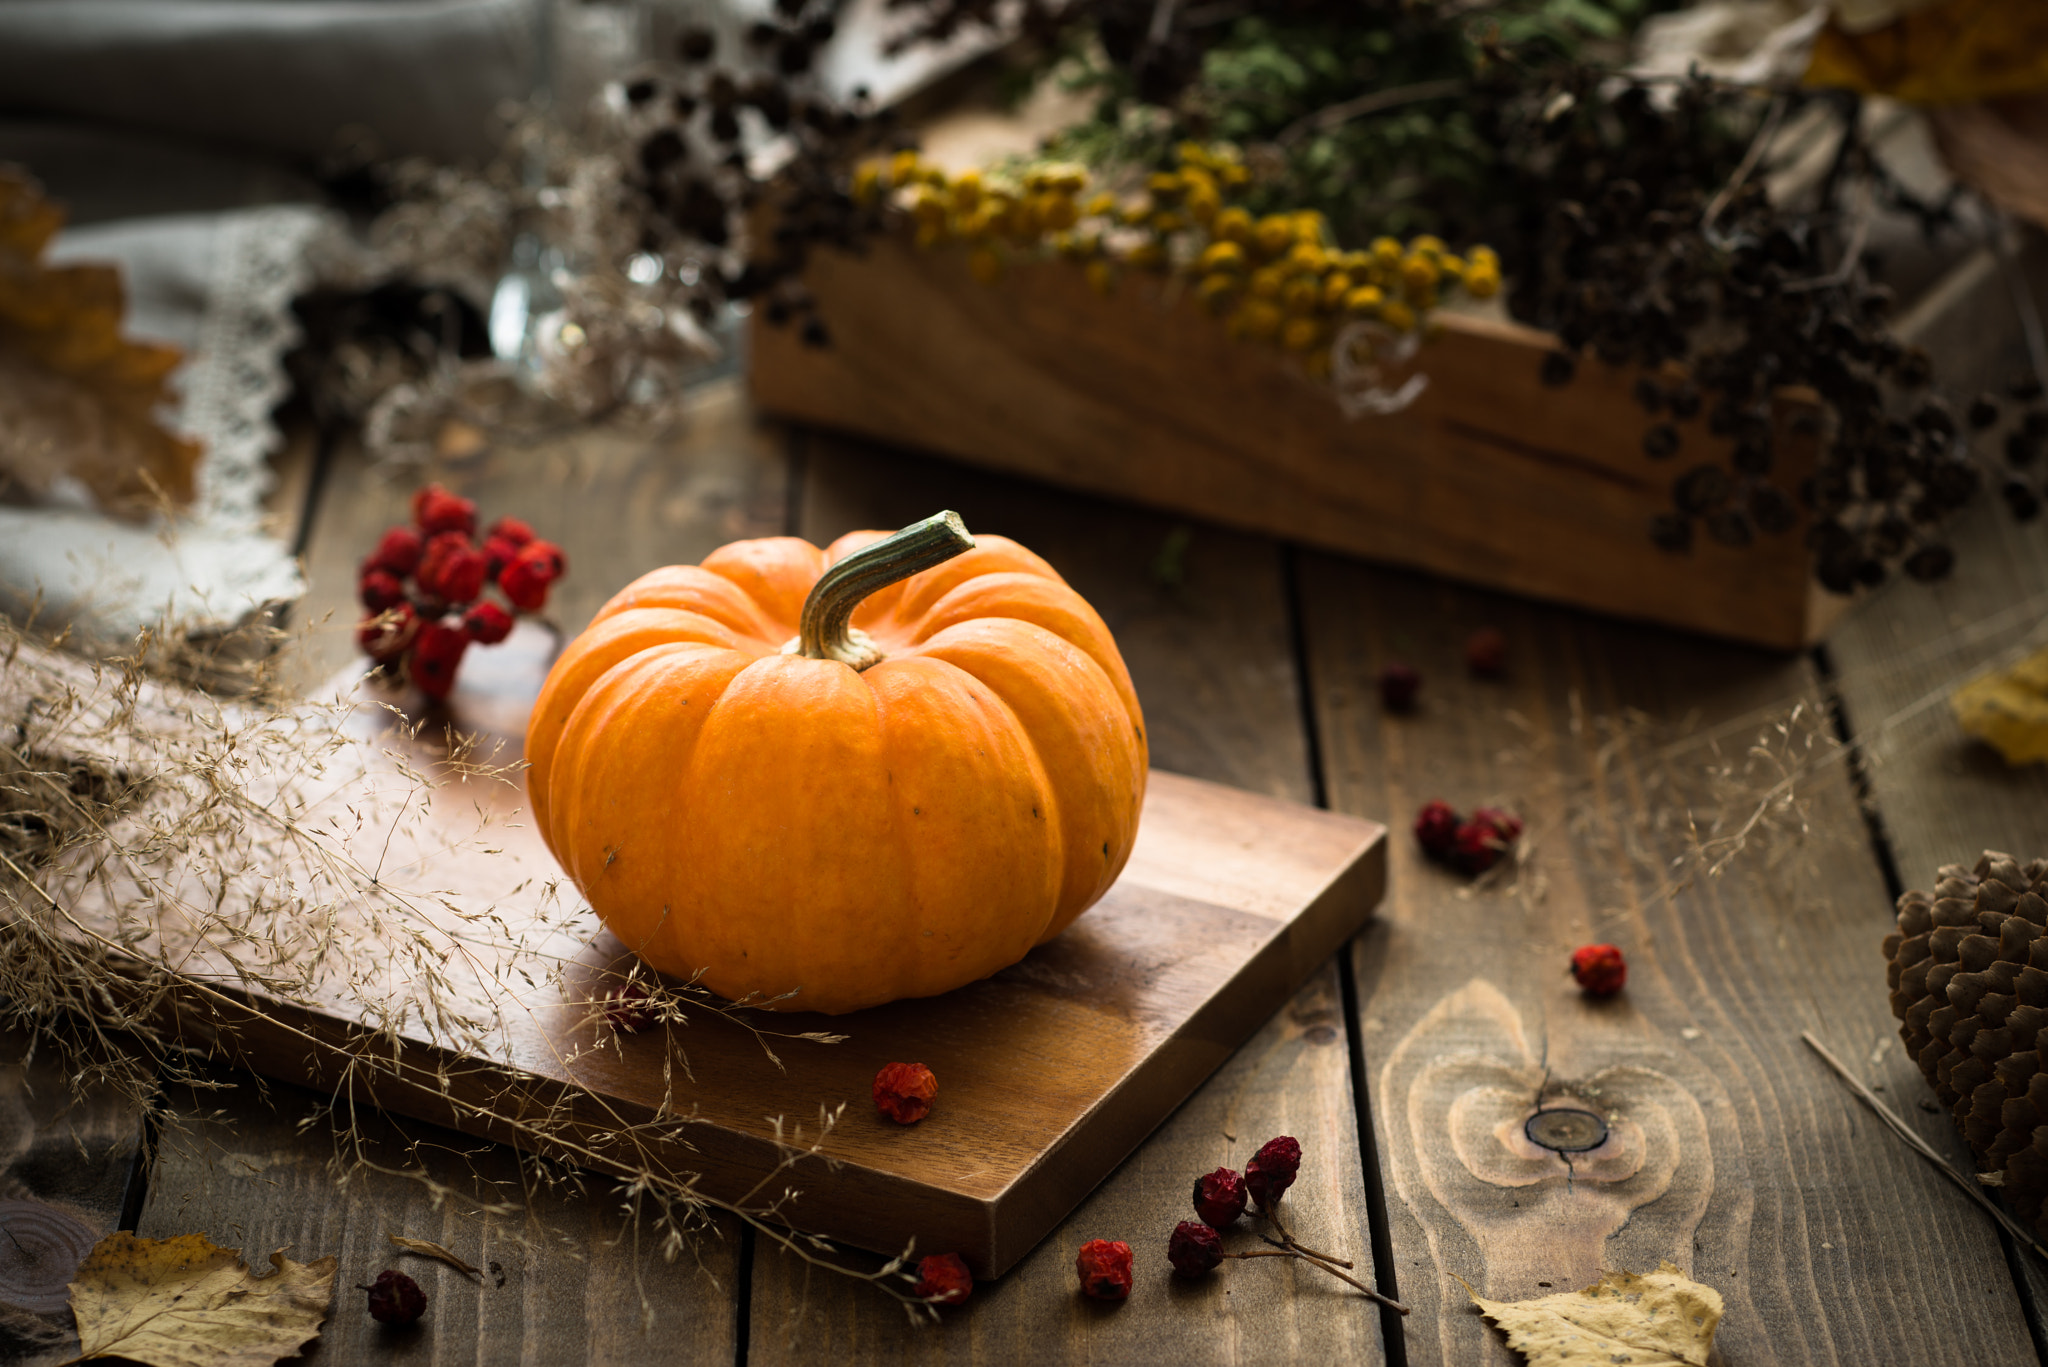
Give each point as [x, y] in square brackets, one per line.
[211, 578]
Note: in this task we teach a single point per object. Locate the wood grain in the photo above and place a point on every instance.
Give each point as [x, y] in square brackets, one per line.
[1490, 477]
[66, 1162]
[1731, 1151]
[1211, 659]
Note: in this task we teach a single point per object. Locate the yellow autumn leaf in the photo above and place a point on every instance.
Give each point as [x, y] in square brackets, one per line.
[1661, 1319]
[186, 1302]
[2008, 709]
[1941, 53]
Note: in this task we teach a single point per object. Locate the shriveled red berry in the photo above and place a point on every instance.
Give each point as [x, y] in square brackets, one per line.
[630, 1007]
[904, 1092]
[1600, 969]
[1195, 1250]
[498, 553]
[1219, 1197]
[1486, 653]
[380, 589]
[1483, 840]
[525, 581]
[1105, 1268]
[1436, 829]
[943, 1279]
[386, 636]
[436, 655]
[1506, 824]
[395, 1299]
[1272, 1170]
[398, 551]
[436, 510]
[1399, 684]
[487, 623]
[510, 529]
[452, 569]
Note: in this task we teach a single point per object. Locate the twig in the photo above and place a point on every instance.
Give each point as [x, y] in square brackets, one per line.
[1755, 154]
[1285, 1252]
[1921, 1146]
[1335, 115]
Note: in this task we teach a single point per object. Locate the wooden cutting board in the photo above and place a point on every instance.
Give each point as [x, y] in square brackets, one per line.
[1050, 1073]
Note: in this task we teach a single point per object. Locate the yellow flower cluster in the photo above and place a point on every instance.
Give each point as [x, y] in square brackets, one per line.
[1277, 278]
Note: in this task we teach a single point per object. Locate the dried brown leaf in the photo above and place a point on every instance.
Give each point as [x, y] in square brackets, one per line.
[75, 396]
[1940, 54]
[186, 1302]
[433, 1250]
[1661, 1319]
[2000, 148]
[2008, 709]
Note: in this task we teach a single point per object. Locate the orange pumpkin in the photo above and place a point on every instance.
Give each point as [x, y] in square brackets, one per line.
[836, 778]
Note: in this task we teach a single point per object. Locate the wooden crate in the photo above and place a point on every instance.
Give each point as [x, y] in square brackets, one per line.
[1490, 477]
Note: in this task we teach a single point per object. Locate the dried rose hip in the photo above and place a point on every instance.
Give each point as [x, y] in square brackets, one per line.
[630, 1007]
[1219, 1197]
[510, 529]
[452, 569]
[1272, 1170]
[386, 636]
[1600, 969]
[436, 655]
[1486, 654]
[1483, 839]
[1436, 829]
[1105, 1268]
[487, 623]
[398, 551]
[380, 589]
[904, 1092]
[944, 1279]
[1194, 1250]
[437, 510]
[395, 1299]
[1399, 684]
[526, 579]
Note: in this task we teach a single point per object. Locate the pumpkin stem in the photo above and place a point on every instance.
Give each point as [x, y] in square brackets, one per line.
[826, 628]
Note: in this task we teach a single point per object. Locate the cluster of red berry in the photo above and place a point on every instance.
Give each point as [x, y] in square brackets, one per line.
[423, 586]
[1471, 844]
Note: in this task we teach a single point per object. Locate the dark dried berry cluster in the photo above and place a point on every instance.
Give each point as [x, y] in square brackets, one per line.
[422, 587]
[1657, 255]
[696, 191]
[1471, 844]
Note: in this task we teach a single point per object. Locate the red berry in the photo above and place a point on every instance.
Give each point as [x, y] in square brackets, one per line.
[380, 589]
[398, 551]
[395, 1299]
[630, 1007]
[386, 636]
[1436, 829]
[1272, 1170]
[498, 553]
[904, 1092]
[487, 623]
[510, 529]
[1194, 1250]
[1486, 653]
[1600, 969]
[1219, 1197]
[944, 1279]
[1481, 842]
[1506, 824]
[525, 581]
[1399, 684]
[1105, 1268]
[436, 655]
[436, 510]
[452, 569]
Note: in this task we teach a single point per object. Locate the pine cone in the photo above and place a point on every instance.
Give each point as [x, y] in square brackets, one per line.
[1969, 980]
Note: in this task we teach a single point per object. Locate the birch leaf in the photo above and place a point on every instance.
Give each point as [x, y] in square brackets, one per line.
[186, 1302]
[1661, 1319]
[2008, 709]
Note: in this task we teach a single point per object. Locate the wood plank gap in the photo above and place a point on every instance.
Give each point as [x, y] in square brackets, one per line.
[1888, 865]
[743, 1298]
[135, 1189]
[1393, 1330]
[1304, 683]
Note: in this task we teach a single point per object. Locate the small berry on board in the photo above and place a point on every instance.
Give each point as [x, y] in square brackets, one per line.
[1486, 653]
[943, 1279]
[395, 1299]
[630, 1007]
[1195, 1250]
[1599, 969]
[1436, 829]
[1105, 1268]
[1399, 683]
[904, 1092]
[1219, 1198]
[1272, 1170]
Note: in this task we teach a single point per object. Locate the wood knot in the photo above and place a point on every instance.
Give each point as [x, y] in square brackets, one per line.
[1566, 1130]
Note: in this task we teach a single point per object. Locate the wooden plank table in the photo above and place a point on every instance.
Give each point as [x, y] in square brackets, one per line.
[1404, 1065]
